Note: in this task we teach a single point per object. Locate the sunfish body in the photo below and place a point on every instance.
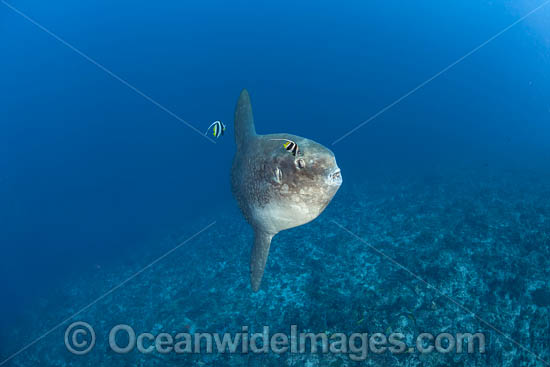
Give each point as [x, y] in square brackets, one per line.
[275, 189]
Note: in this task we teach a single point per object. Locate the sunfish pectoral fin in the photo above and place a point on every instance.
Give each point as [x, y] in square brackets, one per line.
[258, 258]
[244, 120]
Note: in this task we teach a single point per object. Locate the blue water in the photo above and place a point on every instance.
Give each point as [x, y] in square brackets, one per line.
[94, 178]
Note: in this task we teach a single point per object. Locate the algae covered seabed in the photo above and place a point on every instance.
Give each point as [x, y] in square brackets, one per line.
[481, 239]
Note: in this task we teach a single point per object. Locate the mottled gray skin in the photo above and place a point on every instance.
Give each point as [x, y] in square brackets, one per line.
[274, 189]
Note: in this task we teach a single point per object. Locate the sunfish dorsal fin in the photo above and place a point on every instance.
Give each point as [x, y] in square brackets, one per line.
[258, 258]
[244, 120]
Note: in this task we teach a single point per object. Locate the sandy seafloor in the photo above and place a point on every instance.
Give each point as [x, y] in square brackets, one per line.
[480, 238]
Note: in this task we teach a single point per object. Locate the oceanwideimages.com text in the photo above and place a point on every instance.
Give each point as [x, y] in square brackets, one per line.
[123, 339]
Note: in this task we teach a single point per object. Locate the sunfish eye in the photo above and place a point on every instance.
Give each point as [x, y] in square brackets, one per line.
[300, 163]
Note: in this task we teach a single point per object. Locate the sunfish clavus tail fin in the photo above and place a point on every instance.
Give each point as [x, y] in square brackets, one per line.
[244, 120]
[258, 258]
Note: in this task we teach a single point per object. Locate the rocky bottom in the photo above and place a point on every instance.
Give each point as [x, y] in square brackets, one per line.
[450, 254]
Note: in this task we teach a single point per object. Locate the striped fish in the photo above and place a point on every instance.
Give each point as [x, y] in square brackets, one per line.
[218, 129]
[291, 146]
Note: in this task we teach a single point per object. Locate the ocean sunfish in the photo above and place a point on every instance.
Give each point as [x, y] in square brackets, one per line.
[277, 187]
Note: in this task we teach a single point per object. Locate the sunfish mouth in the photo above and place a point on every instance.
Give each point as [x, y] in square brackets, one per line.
[335, 177]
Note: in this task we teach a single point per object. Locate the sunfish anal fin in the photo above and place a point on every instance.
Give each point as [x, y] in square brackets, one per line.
[258, 258]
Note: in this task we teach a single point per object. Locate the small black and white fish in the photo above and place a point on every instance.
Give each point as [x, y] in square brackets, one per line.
[218, 129]
[291, 146]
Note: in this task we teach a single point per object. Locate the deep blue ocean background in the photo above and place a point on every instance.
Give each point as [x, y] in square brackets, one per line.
[92, 175]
